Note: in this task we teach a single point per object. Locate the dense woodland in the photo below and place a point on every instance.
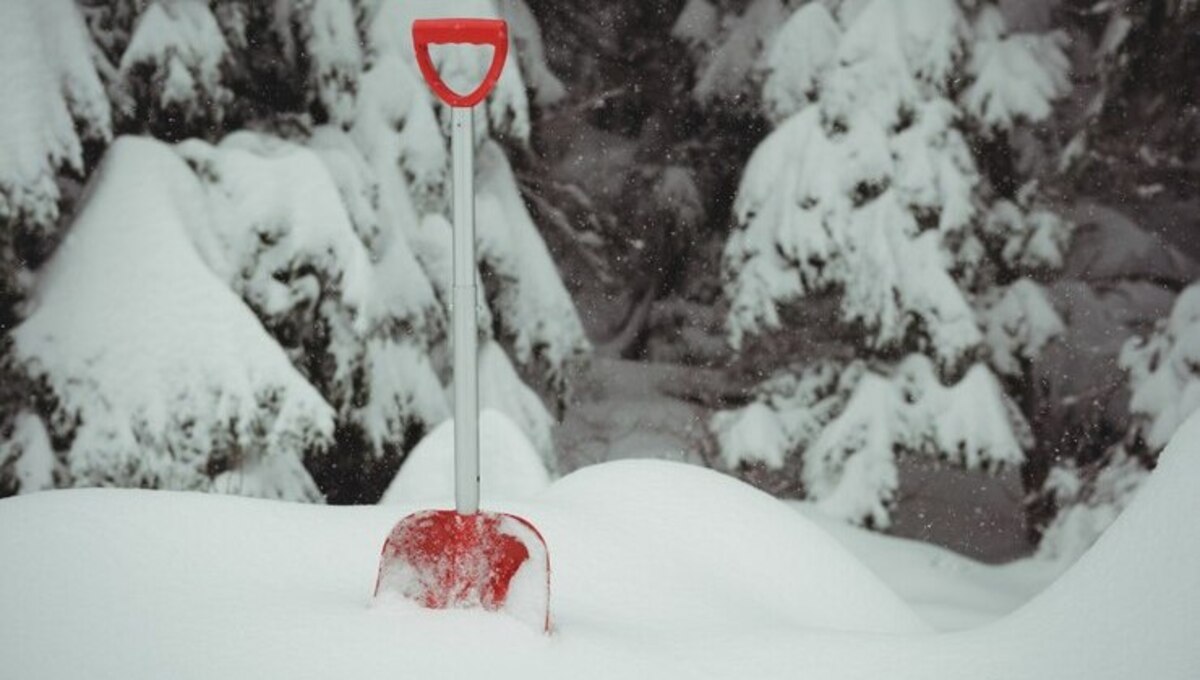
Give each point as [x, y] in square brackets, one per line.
[960, 231]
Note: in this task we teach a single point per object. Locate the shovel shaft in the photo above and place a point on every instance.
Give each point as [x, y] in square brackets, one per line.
[465, 324]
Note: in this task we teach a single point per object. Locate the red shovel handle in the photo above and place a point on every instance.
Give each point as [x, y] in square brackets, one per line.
[492, 32]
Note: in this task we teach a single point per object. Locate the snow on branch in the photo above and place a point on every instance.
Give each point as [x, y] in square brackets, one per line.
[327, 32]
[1016, 76]
[53, 101]
[1019, 323]
[535, 312]
[808, 230]
[846, 424]
[531, 53]
[799, 55]
[1164, 371]
[351, 319]
[727, 72]
[172, 67]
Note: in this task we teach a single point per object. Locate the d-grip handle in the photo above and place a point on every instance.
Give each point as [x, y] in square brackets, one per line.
[494, 32]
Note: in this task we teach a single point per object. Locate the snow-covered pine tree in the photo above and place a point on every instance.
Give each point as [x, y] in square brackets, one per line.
[327, 224]
[868, 191]
[54, 105]
[1164, 378]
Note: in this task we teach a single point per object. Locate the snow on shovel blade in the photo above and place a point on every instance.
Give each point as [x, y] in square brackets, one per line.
[492, 561]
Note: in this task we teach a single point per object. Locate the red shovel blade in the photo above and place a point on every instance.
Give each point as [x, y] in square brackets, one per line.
[493, 561]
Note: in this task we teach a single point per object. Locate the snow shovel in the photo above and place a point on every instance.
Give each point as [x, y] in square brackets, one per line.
[465, 558]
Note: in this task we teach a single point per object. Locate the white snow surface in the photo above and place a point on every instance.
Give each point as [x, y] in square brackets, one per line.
[948, 590]
[510, 466]
[660, 570]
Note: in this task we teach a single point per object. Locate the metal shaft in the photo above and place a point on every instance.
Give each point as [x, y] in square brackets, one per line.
[465, 323]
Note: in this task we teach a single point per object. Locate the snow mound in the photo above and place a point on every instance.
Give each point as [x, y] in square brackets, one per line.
[510, 467]
[1133, 599]
[659, 570]
[653, 565]
[731, 553]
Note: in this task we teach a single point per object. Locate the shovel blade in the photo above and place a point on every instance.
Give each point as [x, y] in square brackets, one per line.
[492, 561]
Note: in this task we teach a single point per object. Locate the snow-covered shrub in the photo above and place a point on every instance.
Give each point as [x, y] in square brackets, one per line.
[804, 48]
[161, 376]
[27, 459]
[868, 191]
[53, 104]
[310, 52]
[501, 389]
[1164, 378]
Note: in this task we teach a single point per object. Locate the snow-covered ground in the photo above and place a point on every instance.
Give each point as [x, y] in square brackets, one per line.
[947, 590]
[660, 570]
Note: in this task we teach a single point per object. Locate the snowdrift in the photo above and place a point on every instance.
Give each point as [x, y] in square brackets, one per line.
[510, 467]
[660, 570]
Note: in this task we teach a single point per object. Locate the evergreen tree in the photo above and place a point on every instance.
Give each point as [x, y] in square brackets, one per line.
[272, 289]
[869, 192]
